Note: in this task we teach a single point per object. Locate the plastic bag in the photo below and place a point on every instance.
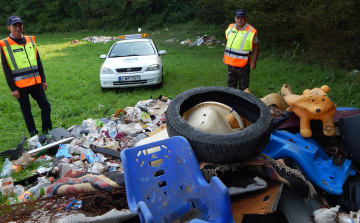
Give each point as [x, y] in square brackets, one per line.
[7, 168]
[325, 215]
[350, 198]
[132, 115]
[63, 151]
[199, 41]
[131, 128]
[98, 168]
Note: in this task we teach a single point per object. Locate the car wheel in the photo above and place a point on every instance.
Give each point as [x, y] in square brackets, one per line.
[221, 148]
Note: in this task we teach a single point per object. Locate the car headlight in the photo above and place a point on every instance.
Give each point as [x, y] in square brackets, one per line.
[105, 70]
[153, 67]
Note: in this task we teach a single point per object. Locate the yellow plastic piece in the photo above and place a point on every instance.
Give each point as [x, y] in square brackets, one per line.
[312, 105]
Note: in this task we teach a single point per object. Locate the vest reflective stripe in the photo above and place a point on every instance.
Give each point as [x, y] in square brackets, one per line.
[23, 77]
[23, 64]
[11, 55]
[238, 45]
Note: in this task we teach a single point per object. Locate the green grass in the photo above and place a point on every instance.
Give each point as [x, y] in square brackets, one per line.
[72, 73]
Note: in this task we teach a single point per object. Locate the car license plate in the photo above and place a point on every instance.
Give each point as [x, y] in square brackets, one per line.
[130, 78]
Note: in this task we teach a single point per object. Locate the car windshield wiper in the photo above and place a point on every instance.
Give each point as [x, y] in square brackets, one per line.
[117, 56]
[132, 55]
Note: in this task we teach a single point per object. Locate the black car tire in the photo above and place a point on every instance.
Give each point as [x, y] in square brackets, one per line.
[221, 148]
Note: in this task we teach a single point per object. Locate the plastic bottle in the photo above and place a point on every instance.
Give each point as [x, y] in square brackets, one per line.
[112, 132]
[90, 156]
[34, 192]
[7, 168]
[37, 143]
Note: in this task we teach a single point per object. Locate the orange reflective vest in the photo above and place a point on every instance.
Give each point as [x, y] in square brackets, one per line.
[22, 61]
[238, 46]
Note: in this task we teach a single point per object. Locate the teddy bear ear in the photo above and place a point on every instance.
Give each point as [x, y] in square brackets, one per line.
[306, 91]
[325, 88]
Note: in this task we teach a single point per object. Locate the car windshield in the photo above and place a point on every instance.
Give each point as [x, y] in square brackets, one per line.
[132, 49]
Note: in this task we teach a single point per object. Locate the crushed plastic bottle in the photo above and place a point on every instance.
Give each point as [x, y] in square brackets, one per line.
[34, 192]
[19, 189]
[7, 168]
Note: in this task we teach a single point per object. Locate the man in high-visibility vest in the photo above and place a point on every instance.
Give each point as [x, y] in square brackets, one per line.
[24, 74]
[242, 40]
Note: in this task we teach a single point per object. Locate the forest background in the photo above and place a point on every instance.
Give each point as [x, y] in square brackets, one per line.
[321, 31]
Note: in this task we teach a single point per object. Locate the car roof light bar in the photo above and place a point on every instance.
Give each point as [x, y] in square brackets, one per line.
[134, 36]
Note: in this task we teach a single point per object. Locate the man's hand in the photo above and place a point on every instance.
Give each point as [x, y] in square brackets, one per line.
[44, 86]
[253, 65]
[16, 94]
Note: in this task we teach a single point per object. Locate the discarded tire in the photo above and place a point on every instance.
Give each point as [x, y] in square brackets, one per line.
[221, 148]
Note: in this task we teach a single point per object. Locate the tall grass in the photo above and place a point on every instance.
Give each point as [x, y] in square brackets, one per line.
[72, 73]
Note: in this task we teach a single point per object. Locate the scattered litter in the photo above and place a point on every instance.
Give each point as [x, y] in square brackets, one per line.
[75, 41]
[170, 40]
[100, 39]
[90, 159]
[205, 40]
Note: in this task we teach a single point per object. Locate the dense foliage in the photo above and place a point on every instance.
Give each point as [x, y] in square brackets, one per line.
[317, 30]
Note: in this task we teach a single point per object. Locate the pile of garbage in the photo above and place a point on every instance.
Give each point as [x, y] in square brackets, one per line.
[205, 40]
[93, 148]
[100, 39]
[86, 157]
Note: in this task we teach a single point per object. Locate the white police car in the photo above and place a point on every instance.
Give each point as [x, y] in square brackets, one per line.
[132, 61]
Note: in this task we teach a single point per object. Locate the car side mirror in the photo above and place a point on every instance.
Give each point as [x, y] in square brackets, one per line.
[102, 56]
[162, 52]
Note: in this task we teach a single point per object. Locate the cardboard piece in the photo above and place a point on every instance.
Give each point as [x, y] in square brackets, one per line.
[23, 160]
[258, 202]
[157, 107]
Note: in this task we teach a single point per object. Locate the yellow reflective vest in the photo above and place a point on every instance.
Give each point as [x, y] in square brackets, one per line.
[238, 46]
[22, 61]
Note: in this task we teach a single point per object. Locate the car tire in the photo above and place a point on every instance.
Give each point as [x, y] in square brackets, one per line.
[221, 148]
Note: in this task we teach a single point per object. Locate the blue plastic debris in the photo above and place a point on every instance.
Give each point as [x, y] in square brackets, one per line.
[63, 151]
[164, 183]
[311, 158]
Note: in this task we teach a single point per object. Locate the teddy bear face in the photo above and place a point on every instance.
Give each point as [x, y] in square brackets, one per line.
[312, 103]
[317, 102]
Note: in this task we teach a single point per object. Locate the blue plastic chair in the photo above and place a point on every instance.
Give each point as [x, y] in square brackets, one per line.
[164, 184]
